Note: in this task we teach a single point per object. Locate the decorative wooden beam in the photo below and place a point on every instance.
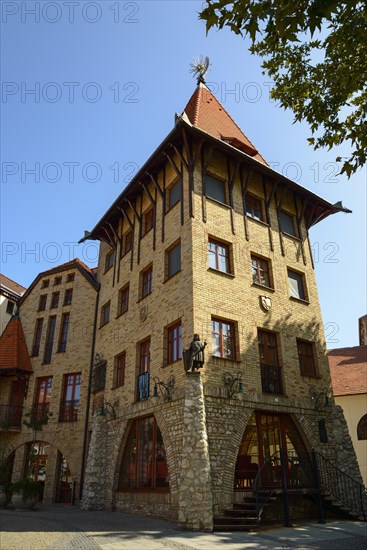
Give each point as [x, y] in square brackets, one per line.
[154, 204]
[126, 217]
[278, 204]
[156, 184]
[204, 168]
[231, 181]
[267, 210]
[299, 217]
[244, 187]
[173, 164]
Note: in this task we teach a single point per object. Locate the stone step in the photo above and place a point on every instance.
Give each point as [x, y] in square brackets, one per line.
[218, 528]
[230, 520]
[240, 513]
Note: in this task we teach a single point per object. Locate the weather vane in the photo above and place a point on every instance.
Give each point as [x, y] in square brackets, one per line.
[199, 68]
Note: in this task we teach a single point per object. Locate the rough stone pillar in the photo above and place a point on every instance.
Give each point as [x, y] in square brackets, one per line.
[195, 501]
[96, 469]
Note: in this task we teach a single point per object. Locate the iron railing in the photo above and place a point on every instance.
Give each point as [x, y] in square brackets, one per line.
[10, 416]
[271, 379]
[142, 386]
[69, 411]
[346, 490]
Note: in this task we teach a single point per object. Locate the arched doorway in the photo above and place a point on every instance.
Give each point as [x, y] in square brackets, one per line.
[272, 447]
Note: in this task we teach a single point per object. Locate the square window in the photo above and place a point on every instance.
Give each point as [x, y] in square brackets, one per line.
[68, 296]
[147, 281]
[223, 339]
[287, 223]
[219, 256]
[123, 300]
[57, 281]
[70, 277]
[127, 242]
[110, 260]
[296, 285]
[105, 313]
[261, 273]
[173, 257]
[306, 358]
[215, 189]
[174, 342]
[42, 302]
[119, 370]
[45, 283]
[174, 194]
[148, 220]
[254, 208]
[55, 300]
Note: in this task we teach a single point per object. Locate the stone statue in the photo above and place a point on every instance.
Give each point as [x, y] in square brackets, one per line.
[193, 357]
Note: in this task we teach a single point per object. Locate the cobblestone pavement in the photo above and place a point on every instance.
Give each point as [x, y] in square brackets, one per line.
[57, 527]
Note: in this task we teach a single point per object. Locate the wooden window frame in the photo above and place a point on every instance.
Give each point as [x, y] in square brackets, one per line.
[70, 277]
[144, 355]
[304, 359]
[225, 190]
[146, 278]
[251, 202]
[119, 370]
[174, 342]
[51, 328]
[294, 234]
[123, 300]
[45, 283]
[220, 333]
[302, 279]
[109, 260]
[106, 307]
[148, 220]
[271, 371]
[177, 184]
[70, 415]
[228, 256]
[68, 296]
[258, 269]
[10, 307]
[362, 428]
[58, 280]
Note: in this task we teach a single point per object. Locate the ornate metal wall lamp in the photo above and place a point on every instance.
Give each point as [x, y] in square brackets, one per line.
[234, 385]
[165, 389]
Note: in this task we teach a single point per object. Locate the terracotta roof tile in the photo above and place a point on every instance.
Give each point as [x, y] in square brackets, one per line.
[13, 348]
[12, 285]
[348, 369]
[205, 112]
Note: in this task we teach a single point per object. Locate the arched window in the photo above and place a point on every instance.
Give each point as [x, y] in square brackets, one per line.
[362, 428]
[144, 463]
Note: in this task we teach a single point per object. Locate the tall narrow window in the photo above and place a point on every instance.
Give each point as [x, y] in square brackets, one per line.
[37, 337]
[147, 281]
[260, 271]
[215, 189]
[10, 307]
[119, 370]
[254, 208]
[110, 259]
[127, 242]
[123, 300]
[223, 339]
[65, 321]
[49, 339]
[144, 366]
[43, 396]
[148, 220]
[219, 257]
[271, 377]
[70, 398]
[144, 462]
[55, 300]
[173, 260]
[174, 342]
[42, 302]
[105, 313]
[68, 296]
[306, 358]
[296, 285]
[174, 194]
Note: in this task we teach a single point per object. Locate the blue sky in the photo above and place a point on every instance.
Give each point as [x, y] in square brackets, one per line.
[107, 78]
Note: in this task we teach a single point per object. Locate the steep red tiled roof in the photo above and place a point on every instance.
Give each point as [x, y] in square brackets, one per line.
[13, 348]
[348, 369]
[12, 285]
[205, 112]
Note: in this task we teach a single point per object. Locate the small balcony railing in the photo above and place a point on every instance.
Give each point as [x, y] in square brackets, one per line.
[271, 379]
[69, 411]
[10, 416]
[142, 386]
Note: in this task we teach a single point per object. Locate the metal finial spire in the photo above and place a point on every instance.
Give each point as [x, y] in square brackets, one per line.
[199, 68]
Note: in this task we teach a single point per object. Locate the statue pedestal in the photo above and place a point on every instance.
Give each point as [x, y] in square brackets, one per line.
[195, 492]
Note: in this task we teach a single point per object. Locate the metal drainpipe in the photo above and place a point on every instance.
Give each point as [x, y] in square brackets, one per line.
[88, 397]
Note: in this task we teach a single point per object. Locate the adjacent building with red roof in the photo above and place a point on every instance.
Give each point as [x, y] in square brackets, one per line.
[10, 294]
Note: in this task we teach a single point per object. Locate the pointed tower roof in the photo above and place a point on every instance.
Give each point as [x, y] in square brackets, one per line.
[14, 355]
[205, 112]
